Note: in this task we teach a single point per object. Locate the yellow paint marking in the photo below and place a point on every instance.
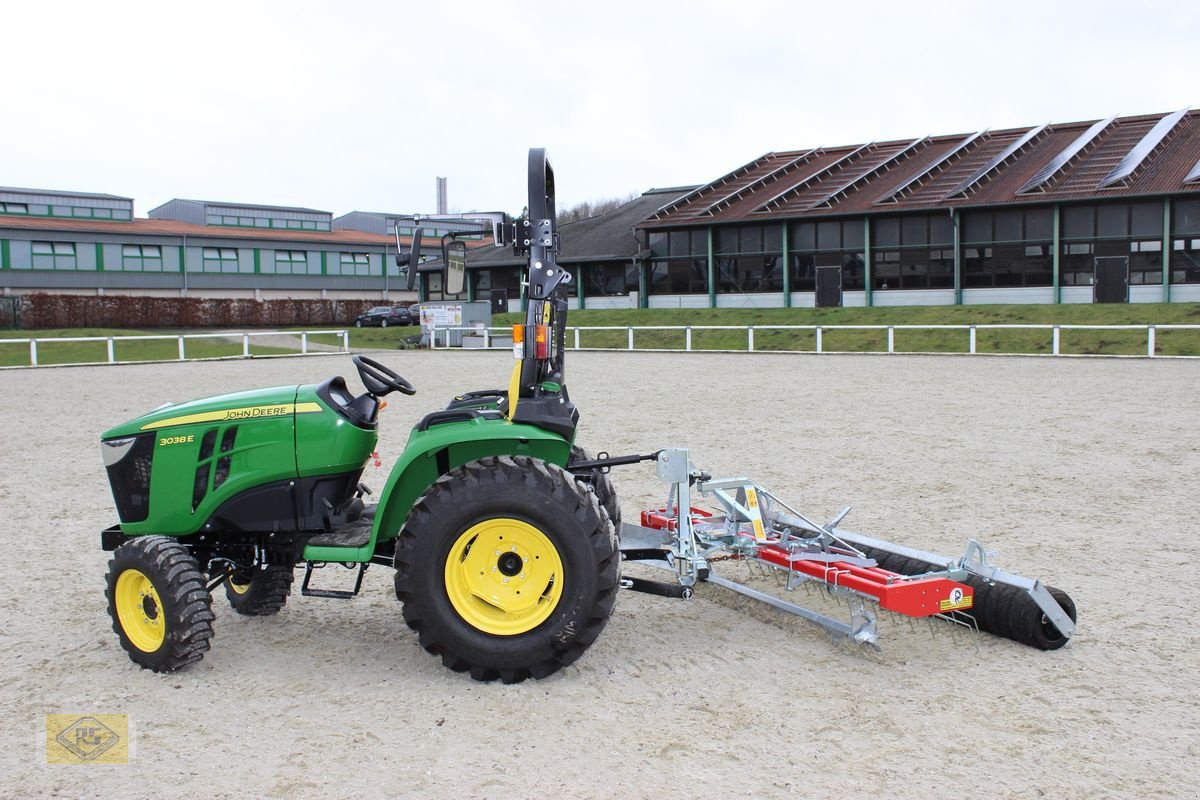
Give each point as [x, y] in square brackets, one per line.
[247, 412]
[760, 535]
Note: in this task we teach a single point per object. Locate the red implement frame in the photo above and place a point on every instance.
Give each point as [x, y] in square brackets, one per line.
[920, 597]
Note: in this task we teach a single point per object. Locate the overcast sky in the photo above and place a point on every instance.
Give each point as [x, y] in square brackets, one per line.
[344, 106]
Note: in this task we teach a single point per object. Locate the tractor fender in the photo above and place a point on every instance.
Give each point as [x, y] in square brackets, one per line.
[432, 452]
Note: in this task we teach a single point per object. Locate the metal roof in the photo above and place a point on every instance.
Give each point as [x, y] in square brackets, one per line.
[52, 193]
[1134, 156]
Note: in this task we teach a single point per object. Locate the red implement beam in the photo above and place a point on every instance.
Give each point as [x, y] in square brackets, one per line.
[914, 598]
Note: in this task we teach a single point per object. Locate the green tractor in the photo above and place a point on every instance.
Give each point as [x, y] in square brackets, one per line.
[503, 535]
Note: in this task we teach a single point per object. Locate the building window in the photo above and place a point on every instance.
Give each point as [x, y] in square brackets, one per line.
[1010, 247]
[1185, 242]
[609, 280]
[14, 208]
[913, 252]
[220, 259]
[291, 262]
[1130, 230]
[748, 259]
[54, 255]
[236, 221]
[679, 262]
[355, 264]
[678, 276]
[486, 281]
[827, 243]
[141, 258]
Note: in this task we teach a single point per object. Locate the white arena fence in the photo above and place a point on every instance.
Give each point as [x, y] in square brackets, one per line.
[500, 338]
[302, 347]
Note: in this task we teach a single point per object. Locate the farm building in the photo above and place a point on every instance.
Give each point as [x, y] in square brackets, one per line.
[1098, 211]
[81, 243]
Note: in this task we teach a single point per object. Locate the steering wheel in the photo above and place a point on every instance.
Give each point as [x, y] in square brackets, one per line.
[380, 380]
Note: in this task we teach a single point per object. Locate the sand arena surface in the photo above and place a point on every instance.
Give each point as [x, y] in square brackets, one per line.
[1080, 472]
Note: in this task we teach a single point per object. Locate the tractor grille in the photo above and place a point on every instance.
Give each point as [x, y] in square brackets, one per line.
[130, 480]
[225, 461]
[205, 467]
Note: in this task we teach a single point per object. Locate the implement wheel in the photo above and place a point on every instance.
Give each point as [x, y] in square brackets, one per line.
[160, 608]
[507, 568]
[259, 593]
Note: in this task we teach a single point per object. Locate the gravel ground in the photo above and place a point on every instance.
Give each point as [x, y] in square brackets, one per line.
[1059, 465]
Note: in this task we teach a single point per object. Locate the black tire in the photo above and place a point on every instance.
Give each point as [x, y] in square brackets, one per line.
[1035, 628]
[160, 607]
[260, 593]
[601, 484]
[476, 505]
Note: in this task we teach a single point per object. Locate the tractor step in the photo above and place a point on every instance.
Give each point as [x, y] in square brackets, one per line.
[351, 535]
[336, 594]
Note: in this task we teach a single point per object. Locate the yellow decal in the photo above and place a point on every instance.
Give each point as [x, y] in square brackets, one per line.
[87, 739]
[168, 440]
[760, 535]
[248, 412]
[546, 313]
[957, 600]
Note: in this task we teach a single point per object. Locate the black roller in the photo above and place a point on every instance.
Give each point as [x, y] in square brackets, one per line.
[998, 609]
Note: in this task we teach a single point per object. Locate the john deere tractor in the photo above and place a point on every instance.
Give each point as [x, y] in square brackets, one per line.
[502, 533]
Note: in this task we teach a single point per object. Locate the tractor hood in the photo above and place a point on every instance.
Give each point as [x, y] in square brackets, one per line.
[275, 401]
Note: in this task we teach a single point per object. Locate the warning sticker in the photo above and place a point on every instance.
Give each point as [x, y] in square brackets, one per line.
[957, 600]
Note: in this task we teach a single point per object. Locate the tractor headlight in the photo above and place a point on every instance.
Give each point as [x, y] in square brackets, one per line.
[113, 450]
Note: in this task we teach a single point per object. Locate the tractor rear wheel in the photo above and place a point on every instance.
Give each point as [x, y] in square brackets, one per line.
[507, 568]
[260, 593]
[159, 604]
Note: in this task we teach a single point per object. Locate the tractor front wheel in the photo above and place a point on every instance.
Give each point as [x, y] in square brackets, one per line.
[259, 593]
[159, 604]
[507, 568]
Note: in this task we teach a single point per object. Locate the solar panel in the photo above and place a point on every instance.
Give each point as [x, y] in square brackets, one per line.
[1051, 169]
[965, 143]
[1194, 175]
[1142, 150]
[997, 161]
[828, 198]
[699, 190]
[796, 187]
[795, 162]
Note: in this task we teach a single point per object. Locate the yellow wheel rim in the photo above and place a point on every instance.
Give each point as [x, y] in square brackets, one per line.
[239, 588]
[140, 611]
[504, 576]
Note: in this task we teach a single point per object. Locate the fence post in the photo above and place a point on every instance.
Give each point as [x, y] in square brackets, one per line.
[630, 338]
[304, 343]
[972, 350]
[33, 352]
[577, 338]
[1054, 341]
[1150, 340]
[181, 358]
[245, 345]
[687, 339]
[487, 339]
[891, 339]
[750, 338]
[110, 350]
[820, 338]
[346, 341]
